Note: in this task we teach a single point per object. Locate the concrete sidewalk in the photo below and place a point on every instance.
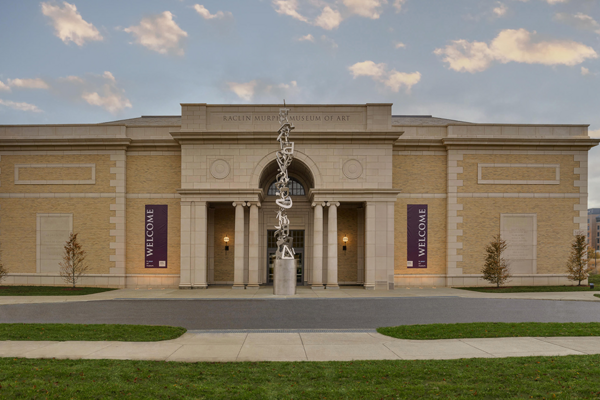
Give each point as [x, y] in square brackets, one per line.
[197, 346]
[266, 293]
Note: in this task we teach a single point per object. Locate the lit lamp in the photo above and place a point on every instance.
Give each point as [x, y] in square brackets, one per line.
[345, 239]
[226, 239]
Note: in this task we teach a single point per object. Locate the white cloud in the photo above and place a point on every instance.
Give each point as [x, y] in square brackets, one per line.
[557, 1]
[292, 84]
[207, 15]
[245, 91]
[400, 45]
[289, 7]
[97, 90]
[4, 87]
[500, 10]
[379, 72]
[36, 83]
[516, 46]
[20, 106]
[585, 71]
[365, 8]
[307, 38]
[329, 19]
[398, 4]
[68, 24]
[159, 33]
[579, 20]
[109, 100]
[329, 41]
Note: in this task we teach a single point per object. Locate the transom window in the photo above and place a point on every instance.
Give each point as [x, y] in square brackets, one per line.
[296, 188]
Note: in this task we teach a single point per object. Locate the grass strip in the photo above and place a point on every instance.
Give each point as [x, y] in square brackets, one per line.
[522, 289]
[491, 330]
[49, 290]
[569, 377]
[92, 332]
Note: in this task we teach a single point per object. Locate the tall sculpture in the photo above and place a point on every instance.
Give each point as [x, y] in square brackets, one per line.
[284, 280]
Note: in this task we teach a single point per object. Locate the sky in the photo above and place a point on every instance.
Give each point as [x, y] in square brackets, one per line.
[507, 61]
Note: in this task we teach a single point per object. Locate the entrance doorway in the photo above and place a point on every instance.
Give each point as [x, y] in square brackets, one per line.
[298, 244]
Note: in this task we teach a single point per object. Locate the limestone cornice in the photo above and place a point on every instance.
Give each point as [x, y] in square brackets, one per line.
[566, 143]
[199, 137]
[65, 144]
[408, 144]
[154, 145]
[218, 195]
[353, 195]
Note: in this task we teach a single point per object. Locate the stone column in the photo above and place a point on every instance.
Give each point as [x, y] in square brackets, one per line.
[238, 246]
[253, 246]
[185, 279]
[332, 249]
[370, 246]
[317, 272]
[200, 245]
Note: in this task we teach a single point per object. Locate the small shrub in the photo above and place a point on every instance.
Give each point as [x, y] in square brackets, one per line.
[496, 268]
[577, 265]
[73, 264]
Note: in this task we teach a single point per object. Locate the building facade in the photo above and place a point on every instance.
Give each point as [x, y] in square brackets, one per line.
[593, 233]
[380, 201]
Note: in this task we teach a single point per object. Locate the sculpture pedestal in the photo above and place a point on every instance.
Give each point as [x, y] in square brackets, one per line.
[284, 279]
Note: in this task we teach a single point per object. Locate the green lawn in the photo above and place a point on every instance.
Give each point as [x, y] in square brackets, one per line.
[63, 332]
[520, 289]
[49, 291]
[491, 330]
[595, 279]
[570, 377]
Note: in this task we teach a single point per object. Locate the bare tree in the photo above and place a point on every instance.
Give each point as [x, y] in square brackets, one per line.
[496, 268]
[577, 265]
[73, 264]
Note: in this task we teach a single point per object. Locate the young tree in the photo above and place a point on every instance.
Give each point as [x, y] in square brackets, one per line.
[496, 268]
[73, 265]
[593, 255]
[577, 265]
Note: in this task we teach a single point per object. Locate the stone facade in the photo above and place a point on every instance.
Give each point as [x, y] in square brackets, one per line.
[358, 168]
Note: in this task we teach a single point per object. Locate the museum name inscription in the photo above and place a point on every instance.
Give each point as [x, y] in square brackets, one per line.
[292, 118]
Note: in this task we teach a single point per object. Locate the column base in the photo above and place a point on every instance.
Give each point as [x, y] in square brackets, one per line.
[332, 287]
[185, 286]
[238, 287]
[369, 287]
[203, 286]
[252, 286]
[317, 287]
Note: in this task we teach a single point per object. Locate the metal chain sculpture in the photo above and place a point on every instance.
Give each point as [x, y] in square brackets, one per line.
[285, 251]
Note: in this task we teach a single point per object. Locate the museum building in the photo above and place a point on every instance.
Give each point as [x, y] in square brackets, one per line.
[379, 200]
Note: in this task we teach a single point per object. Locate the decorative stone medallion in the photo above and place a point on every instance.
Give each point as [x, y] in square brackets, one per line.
[353, 169]
[220, 169]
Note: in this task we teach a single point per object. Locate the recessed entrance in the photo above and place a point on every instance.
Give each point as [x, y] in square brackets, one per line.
[298, 244]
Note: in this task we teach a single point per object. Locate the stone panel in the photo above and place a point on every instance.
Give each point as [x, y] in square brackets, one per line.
[53, 172]
[224, 224]
[495, 173]
[420, 174]
[53, 231]
[348, 259]
[153, 174]
[135, 237]
[520, 233]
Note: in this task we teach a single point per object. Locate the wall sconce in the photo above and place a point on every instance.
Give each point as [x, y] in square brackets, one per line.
[345, 239]
[226, 239]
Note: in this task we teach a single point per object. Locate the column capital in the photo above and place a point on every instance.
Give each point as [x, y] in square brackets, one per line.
[314, 204]
[253, 203]
[333, 203]
[239, 203]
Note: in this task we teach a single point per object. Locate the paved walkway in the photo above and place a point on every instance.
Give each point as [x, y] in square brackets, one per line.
[266, 292]
[302, 346]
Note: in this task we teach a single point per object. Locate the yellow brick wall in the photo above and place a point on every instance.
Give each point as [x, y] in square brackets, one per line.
[518, 173]
[103, 175]
[348, 260]
[153, 174]
[135, 236]
[469, 175]
[51, 174]
[436, 237]
[90, 219]
[419, 174]
[481, 221]
[224, 224]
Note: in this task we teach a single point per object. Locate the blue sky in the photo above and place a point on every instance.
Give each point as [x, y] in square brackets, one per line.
[84, 61]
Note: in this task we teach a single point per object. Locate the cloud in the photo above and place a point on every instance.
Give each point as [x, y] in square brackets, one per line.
[255, 88]
[4, 87]
[307, 38]
[68, 24]
[159, 33]
[329, 41]
[20, 106]
[400, 45]
[97, 90]
[585, 71]
[245, 91]
[329, 19]
[36, 83]
[207, 15]
[365, 8]
[501, 10]
[379, 72]
[579, 21]
[398, 4]
[289, 7]
[513, 45]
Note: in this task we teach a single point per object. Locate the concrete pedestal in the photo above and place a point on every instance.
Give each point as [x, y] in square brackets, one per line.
[284, 279]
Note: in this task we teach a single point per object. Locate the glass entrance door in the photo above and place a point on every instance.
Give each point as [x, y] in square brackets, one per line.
[298, 244]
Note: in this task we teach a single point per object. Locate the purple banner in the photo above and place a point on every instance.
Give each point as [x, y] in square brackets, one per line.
[155, 226]
[416, 244]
